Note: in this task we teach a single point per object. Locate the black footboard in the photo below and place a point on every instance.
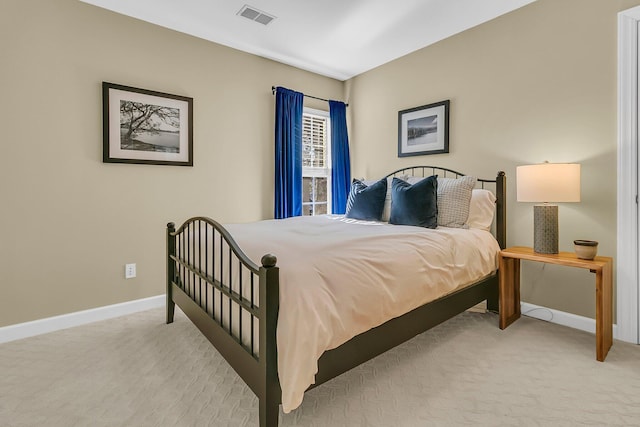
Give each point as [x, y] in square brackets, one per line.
[233, 302]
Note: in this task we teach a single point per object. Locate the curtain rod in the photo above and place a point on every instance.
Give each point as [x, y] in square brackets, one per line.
[273, 92]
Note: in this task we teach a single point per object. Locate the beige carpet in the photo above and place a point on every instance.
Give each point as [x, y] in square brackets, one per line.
[137, 371]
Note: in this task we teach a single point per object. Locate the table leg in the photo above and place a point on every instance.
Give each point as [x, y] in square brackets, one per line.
[509, 283]
[604, 316]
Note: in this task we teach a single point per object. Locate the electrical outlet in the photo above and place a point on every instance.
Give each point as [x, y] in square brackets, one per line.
[129, 271]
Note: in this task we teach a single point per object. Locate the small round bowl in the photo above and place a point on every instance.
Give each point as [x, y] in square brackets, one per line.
[586, 249]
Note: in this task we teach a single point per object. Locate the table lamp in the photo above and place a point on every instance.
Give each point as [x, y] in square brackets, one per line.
[547, 183]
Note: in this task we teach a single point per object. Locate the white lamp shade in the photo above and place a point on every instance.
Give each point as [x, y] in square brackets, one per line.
[548, 182]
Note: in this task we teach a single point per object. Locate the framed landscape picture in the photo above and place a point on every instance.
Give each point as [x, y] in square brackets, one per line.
[424, 130]
[146, 127]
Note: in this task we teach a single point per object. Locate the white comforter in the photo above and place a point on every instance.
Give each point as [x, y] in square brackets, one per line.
[340, 277]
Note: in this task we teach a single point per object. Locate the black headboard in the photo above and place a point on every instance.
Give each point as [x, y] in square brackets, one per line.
[497, 184]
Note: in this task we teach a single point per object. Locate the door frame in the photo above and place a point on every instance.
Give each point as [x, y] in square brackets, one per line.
[628, 301]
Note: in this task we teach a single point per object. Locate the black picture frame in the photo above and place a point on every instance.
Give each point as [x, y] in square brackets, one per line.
[424, 130]
[146, 127]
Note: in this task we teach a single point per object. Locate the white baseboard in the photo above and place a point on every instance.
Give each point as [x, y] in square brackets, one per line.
[50, 324]
[56, 323]
[561, 318]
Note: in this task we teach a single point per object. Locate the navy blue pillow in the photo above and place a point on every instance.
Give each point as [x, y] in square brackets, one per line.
[415, 204]
[366, 202]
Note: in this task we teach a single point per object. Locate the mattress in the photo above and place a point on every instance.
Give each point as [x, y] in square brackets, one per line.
[340, 277]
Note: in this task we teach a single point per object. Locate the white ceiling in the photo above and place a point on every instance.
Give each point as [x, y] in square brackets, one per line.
[335, 38]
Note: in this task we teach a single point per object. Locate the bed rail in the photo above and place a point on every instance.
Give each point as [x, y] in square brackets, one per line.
[233, 301]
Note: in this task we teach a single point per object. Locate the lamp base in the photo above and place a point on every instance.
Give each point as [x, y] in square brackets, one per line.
[545, 229]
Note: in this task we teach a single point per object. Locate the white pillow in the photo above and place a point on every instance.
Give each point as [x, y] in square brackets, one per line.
[482, 209]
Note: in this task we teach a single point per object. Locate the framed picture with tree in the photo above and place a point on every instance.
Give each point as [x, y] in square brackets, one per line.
[146, 127]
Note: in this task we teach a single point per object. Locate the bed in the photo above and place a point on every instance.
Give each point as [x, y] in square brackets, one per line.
[236, 302]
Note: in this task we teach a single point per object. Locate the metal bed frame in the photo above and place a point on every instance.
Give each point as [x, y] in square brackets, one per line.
[195, 289]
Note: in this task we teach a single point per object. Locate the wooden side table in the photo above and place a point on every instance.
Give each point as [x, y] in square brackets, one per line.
[509, 279]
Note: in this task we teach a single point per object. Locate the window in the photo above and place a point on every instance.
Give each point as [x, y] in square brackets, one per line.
[316, 162]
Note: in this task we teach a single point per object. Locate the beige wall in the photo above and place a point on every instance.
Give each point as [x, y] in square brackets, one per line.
[71, 222]
[537, 84]
[533, 85]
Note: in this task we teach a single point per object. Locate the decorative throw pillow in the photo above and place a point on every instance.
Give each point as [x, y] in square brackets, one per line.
[454, 198]
[366, 201]
[386, 212]
[415, 204]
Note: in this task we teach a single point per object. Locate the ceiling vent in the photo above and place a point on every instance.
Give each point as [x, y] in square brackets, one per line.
[254, 14]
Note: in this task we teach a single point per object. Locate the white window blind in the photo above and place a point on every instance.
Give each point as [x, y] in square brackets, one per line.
[316, 162]
[314, 141]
